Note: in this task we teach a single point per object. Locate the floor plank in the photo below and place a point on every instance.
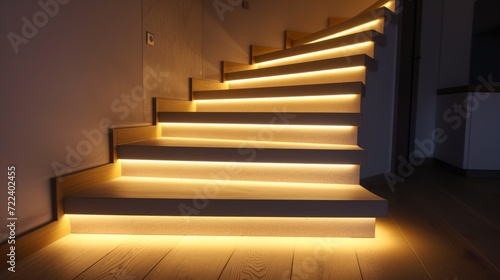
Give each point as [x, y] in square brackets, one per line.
[388, 256]
[68, 258]
[434, 231]
[484, 237]
[261, 258]
[325, 258]
[195, 257]
[443, 252]
[133, 259]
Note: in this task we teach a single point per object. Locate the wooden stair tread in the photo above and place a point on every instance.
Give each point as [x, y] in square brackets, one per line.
[160, 196]
[367, 16]
[284, 91]
[261, 118]
[163, 148]
[341, 41]
[237, 143]
[304, 67]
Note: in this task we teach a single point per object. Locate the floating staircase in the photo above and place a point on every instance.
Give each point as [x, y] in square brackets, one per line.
[270, 150]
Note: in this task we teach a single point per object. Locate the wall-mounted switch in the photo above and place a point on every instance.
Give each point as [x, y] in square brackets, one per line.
[150, 39]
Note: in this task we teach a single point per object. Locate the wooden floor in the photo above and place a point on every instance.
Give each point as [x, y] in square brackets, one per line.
[441, 226]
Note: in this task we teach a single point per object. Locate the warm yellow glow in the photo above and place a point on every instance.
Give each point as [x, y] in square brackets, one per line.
[251, 144]
[334, 134]
[224, 226]
[322, 103]
[270, 172]
[231, 127]
[354, 49]
[376, 25]
[391, 5]
[287, 99]
[348, 74]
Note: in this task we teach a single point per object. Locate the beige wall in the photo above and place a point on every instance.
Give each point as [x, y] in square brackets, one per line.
[176, 55]
[229, 30]
[71, 74]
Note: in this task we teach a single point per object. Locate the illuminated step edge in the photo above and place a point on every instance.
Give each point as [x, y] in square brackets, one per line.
[164, 148]
[224, 226]
[342, 103]
[326, 134]
[171, 197]
[352, 44]
[369, 20]
[275, 118]
[337, 75]
[243, 171]
[284, 91]
[305, 67]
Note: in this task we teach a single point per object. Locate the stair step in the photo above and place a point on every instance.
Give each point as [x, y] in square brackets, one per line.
[243, 171]
[285, 91]
[327, 134]
[192, 149]
[172, 197]
[224, 226]
[328, 64]
[342, 103]
[276, 118]
[369, 20]
[353, 44]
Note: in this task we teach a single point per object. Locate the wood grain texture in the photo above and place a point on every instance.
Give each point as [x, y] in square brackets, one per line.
[131, 134]
[35, 240]
[67, 257]
[477, 231]
[325, 258]
[425, 230]
[388, 256]
[166, 105]
[195, 258]
[133, 259]
[202, 85]
[261, 258]
[77, 181]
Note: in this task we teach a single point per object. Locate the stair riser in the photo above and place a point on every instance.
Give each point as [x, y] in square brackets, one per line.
[285, 133]
[222, 172]
[297, 91]
[248, 152]
[346, 75]
[264, 118]
[221, 207]
[319, 104]
[228, 226]
[366, 48]
[370, 20]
